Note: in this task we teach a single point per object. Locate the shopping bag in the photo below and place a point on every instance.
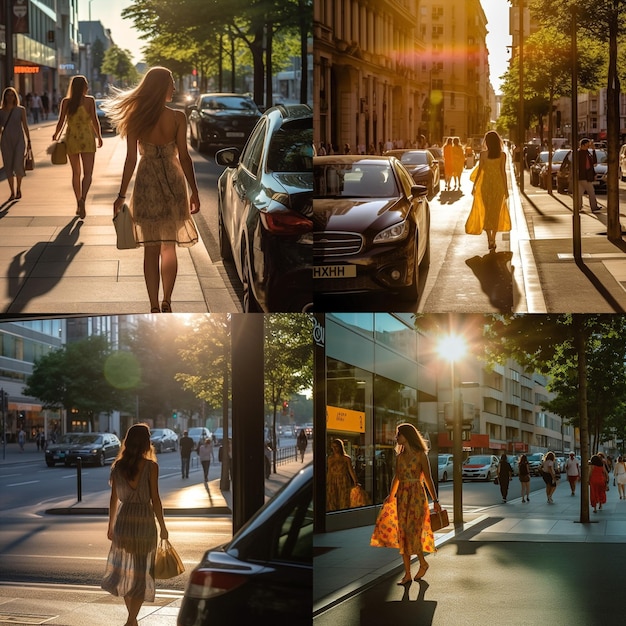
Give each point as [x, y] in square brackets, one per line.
[358, 497]
[385, 533]
[58, 152]
[124, 229]
[439, 520]
[29, 161]
[167, 563]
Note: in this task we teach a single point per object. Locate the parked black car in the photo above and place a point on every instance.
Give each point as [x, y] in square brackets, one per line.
[164, 439]
[265, 574]
[264, 204]
[221, 119]
[371, 226]
[423, 167]
[105, 123]
[96, 448]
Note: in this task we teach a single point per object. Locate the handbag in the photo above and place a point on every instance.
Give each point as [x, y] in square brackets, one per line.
[58, 152]
[358, 497]
[29, 161]
[439, 520]
[167, 563]
[385, 533]
[124, 229]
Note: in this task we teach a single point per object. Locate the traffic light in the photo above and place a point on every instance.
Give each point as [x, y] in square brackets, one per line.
[174, 414]
[285, 407]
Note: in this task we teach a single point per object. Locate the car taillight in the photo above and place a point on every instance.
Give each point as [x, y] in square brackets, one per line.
[286, 223]
[205, 584]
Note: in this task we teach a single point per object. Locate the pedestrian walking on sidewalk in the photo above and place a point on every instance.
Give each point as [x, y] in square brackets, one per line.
[134, 504]
[412, 478]
[21, 439]
[78, 115]
[619, 474]
[490, 211]
[549, 475]
[340, 477]
[505, 472]
[186, 446]
[12, 144]
[586, 173]
[160, 207]
[301, 443]
[572, 471]
[458, 161]
[598, 479]
[205, 452]
[524, 477]
[448, 162]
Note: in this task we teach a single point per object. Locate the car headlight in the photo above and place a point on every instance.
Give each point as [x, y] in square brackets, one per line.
[393, 233]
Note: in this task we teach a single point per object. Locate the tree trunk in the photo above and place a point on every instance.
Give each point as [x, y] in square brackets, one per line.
[256, 49]
[305, 20]
[269, 39]
[614, 229]
[581, 351]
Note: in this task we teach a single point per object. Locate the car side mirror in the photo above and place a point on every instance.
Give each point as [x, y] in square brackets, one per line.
[228, 157]
[419, 191]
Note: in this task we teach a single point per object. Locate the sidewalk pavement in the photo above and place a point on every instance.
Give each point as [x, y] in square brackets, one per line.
[345, 563]
[78, 605]
[57, 264]
[555, 282]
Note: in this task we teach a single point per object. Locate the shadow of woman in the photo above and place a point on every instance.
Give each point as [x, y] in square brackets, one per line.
[60, 251]
[495, 274]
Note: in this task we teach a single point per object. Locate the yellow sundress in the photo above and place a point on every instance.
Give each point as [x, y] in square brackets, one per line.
[80, 135]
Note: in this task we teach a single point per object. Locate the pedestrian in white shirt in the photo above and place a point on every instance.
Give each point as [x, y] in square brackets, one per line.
[205, 452]
[619, 473]
[572, 469]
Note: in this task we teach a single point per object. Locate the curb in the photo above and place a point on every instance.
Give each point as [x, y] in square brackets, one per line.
[94, 510]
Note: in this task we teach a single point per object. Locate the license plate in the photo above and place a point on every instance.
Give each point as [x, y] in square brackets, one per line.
[334, 271]
[235, 134]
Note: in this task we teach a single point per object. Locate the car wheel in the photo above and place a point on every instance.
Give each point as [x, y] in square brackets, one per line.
[226, 251]
[101, 460]
[50, 463]
[250, 305]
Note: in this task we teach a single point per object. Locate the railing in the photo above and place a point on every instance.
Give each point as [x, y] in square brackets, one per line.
[286, 455]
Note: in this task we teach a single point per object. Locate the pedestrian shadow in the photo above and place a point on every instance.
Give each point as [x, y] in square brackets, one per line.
[61, 251]
[495, 274]
[404, 612]
[5, 206]
[599, 286]
[450, 197]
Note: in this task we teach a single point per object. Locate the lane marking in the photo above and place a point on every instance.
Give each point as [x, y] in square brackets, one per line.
[30, 482]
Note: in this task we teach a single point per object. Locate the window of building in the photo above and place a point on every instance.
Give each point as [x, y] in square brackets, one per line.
[395, 334]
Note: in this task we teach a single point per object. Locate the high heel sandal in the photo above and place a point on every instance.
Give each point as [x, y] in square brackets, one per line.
[404, 583]
[166, 306]
[421, 572]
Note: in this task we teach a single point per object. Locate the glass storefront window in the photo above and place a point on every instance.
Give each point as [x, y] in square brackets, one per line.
[393, 333]
[363, 322]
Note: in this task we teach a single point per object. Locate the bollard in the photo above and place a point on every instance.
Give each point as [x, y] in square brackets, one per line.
[79, 478]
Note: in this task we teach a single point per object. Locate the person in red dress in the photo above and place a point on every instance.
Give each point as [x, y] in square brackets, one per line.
[598, 478]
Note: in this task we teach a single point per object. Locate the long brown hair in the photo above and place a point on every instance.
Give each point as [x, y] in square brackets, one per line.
[75, 92]
[5, 93]
[413, 437]
[136, 447]
[137, 111]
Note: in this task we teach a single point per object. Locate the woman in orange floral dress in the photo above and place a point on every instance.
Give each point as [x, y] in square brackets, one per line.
[413, 473]
[340, 478]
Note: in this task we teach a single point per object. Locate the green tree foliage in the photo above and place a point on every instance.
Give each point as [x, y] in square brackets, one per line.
[118, 62]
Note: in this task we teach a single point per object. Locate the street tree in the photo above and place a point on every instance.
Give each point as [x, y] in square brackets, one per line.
[603, 21]
[118, 63]
[73, 378]
[545, 342]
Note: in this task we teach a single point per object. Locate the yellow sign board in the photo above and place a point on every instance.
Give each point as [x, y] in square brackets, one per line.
[345, 419]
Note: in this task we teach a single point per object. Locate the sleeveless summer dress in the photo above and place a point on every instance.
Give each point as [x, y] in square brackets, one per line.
[159, 204]
[80, 136]
[338, 484]
[414, 530]
[130, 566]
[12, 143]
[489, 209]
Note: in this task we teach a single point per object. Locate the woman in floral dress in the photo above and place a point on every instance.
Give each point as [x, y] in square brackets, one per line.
[340, 478]
[83, 128]
[415, 535]
[134, 504]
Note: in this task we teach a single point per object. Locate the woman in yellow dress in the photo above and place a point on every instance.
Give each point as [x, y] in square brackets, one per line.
[490, 211]
[83, 129]
[340, 478]
[415, 534]
[458, 161]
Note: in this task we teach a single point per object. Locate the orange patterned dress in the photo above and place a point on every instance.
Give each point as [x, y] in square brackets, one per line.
[414, 532]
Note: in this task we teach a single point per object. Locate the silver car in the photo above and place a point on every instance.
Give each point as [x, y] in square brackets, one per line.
[480, 467]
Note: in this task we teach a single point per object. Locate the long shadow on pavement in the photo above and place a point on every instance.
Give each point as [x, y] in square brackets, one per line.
[495, 274]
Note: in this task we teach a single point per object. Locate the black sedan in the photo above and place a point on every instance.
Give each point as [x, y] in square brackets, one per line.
[265, 574]
[371, 226]
[164, 439]
[423, 167]
[96, 448]
[221, 119]
[265, 210]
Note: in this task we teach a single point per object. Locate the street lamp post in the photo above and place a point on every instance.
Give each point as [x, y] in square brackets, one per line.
[453, 348]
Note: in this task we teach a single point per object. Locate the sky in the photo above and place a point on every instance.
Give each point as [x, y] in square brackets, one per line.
[109, 12]
[498, 38]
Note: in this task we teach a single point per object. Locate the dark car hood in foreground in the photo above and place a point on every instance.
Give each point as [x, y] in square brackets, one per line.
[356, 216]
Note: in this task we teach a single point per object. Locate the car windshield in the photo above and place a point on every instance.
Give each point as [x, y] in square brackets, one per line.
[414, 158]
[291, 147]
[436, 152]
[88, 439]
[157, 432]
[227, 103]
[601, 156]
[443, 461]
[559, 155]
[355, 180]
[478, 460]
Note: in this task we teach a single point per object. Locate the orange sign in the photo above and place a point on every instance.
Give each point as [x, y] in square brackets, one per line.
[345, 419]
[26, 69]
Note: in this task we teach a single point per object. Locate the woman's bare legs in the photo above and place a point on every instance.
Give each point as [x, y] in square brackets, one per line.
[133, 605]
[169, 270]
[151, 257]
[88, 159]
[11, 181]
[18, 190]
[76, 171]
[406, 559]
[423, 565]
